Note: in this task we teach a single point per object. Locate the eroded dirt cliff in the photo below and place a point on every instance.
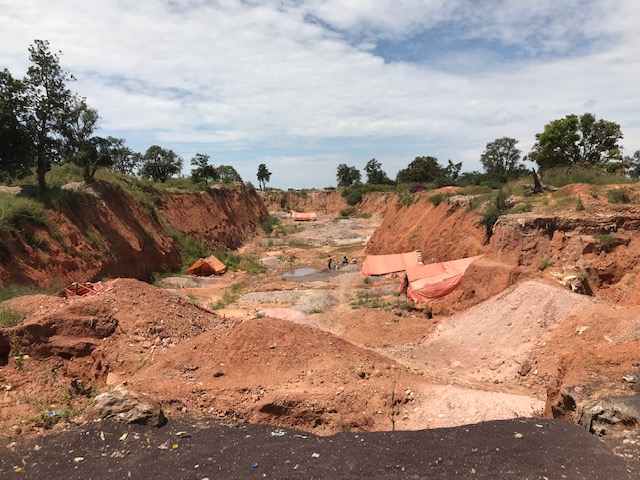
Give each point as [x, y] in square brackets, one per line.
[329, 202]
[102, 231]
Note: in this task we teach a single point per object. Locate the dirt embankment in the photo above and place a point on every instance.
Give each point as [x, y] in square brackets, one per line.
[329, 202]
[444, 232]
[220, 217]
[104, 232]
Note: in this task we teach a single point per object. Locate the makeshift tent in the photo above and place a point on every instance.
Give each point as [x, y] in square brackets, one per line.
[86, 289]
[428, 282]
[383, 264]
[303, 217]
[207, 266]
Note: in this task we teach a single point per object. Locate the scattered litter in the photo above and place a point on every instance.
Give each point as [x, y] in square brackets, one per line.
[163, 446]
[53, 413]
[183, 434]
[124, 437]
[174, 446]
[315, 455]
[300, 436]
[254, 465]
[17, 469]
[630, 378]
[582, 329]
[78, 459]
[519, 435]
[278, 433]
[102, 436]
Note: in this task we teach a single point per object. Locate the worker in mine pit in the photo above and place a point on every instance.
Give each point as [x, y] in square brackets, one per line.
[329, 262]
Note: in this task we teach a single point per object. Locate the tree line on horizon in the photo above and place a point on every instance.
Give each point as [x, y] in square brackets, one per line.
[573, 141]
[43, 123]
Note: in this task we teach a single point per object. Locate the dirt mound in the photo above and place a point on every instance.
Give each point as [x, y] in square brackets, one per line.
[78, 343]
[268, 370]
[491, 341]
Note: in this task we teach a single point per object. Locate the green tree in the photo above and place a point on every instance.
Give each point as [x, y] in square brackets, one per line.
[501, 159]
[80, 147]
[421, 170]
[264, 176]
[451, 172]
[50, 104]
[16, 155]
[574, 139]
[203, 171]
[160, 164]
[347, 176]
[633, 165]
[125, 160]
[228, 174]
[92, 154]
[375, 174]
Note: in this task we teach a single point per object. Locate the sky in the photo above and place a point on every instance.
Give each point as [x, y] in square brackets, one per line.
[305, 85]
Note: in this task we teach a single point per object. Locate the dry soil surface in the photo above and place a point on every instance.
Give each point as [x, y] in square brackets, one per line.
[326, 352]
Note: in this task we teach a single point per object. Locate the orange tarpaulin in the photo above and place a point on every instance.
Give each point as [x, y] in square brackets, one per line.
[85, 289]
[383, 264]
[299, 216]
[207, 266]
[428, 282]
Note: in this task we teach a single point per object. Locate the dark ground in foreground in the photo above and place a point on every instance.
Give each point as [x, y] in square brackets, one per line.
[182, 449]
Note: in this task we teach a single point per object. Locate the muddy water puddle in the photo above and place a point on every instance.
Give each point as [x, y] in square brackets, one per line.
[300, 272]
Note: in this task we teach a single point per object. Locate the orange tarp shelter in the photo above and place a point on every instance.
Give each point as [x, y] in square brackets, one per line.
[301, 217]
[428, 282]
[207, 266]
[383, 264]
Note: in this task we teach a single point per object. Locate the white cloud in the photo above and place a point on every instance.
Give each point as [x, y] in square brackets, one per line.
[258, 82]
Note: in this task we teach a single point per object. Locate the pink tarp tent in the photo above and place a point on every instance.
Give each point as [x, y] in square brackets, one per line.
[428, 282]
[300, 217]
[383, 264]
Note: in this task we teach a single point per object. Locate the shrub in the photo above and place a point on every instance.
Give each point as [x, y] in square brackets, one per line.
[579, 205]
[9, 318]
[16, 210]
[38, 242]
[489, 219]
[437, 199]
[606, 240]
[269, 224]
[347, 212]
[58, 236]
[405, 200]
[230, 295]
[619, 195]
[17, 290]
[561, 176]
[191, 248]
[353, 197]
[522, 208]
[546, 263]
[93, 239]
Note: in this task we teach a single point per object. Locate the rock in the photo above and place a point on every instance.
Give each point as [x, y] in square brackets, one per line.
[525, 368]
[496, 364]
[611, 414]
[129, 407]
[630, 378]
